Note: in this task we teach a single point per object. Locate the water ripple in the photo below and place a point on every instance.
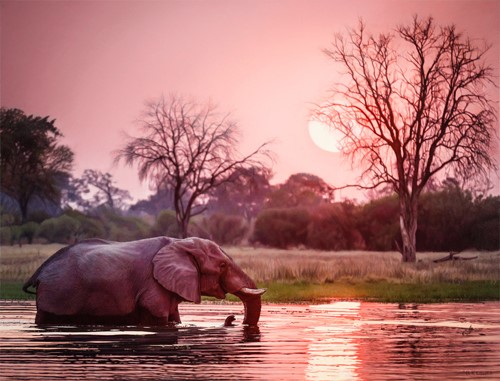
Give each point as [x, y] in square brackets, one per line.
[334, 341]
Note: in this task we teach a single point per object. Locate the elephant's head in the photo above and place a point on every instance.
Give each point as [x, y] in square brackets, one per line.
[193, 267]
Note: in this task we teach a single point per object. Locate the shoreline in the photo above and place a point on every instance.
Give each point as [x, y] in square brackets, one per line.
[311, 293]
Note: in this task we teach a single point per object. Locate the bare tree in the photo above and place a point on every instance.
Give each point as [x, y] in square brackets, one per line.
[190, 148]
[414, 105]
[102, 190]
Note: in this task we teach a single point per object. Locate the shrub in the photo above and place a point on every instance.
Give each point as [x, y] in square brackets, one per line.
[445, 219]
[62, 229]
[5, 235]
[226, 229]
[378, 223]
[485, 228]
[129, 229]
[123, 228]
[197, 228]
[7, 218]
[15, 234]
[29, 231]
[333, 227]
[38, 216]
[89, 227]
[166, 224]
[282, 227]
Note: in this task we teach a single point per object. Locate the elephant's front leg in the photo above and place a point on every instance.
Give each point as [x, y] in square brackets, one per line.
[174, 316]
[159, 307]
[146, 318]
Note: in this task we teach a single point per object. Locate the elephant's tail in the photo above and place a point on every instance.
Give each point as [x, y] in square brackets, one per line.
[30, 283]
[33, 281]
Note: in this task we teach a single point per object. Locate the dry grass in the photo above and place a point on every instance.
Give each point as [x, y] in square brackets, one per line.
[271, 265]
[19, 262]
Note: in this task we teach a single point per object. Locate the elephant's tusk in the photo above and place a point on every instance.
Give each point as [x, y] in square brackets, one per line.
[253, 291]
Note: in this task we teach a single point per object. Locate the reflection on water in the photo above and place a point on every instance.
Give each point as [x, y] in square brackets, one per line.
[333, 351]
[335, 341]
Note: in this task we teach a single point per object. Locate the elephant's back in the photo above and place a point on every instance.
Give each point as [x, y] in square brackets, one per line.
[142, 247]
[96, 249]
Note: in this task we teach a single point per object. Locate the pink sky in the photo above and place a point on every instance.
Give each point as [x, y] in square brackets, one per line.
[92, 65]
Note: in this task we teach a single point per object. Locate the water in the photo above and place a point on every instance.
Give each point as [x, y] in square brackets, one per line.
[334, 341]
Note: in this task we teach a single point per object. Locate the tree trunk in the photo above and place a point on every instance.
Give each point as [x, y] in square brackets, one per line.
[23, 206]
[182, 219]
[408, 225]
[184, 228]
[182, 224]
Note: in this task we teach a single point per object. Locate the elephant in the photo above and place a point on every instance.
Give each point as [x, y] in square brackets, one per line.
[137, 282]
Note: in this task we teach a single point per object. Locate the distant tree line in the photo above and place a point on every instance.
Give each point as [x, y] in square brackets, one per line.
[301, 212]
[450, 219]
[41, 201]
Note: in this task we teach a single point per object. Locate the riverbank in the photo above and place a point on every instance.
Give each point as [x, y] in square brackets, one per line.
[294, 276]
[469, 291]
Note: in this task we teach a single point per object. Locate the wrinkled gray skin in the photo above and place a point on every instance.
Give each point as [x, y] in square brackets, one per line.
[139, 282]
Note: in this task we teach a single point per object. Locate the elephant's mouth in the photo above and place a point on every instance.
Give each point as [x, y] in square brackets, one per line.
[251, 300]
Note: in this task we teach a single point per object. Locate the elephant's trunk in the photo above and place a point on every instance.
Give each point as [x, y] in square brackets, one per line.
[252, 303]
[238, 283]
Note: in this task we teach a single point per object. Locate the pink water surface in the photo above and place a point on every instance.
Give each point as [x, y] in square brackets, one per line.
[333, 341]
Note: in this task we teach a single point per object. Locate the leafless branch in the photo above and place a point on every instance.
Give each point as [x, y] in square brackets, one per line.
[191, 148]
[412, 104]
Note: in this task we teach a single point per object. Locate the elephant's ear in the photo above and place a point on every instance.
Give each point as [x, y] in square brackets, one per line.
[176, 270]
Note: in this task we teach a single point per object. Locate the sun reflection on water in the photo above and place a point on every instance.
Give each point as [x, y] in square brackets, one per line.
[333, 353]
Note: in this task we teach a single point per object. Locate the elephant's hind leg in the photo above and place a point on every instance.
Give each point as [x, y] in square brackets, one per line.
[46, 318]
[42, 317]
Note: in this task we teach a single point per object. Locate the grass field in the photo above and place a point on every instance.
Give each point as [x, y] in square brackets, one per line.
[311, 276]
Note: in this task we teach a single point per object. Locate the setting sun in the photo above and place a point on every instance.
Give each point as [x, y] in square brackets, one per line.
[324, 136]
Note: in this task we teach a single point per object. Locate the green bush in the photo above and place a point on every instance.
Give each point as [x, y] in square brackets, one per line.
[333, 227]
[444, 220]
[486, 235]
[166, 224]
[5, 235]
[38, 216]
[451, 220]
[129, 231]
[62, 229]
[89, 227]
[197, 228]
[226, 229]
[485, 229]
[378, 222]
[15, 234]
[282, 227]
[7, 218]
[123, 228]
[29, 231]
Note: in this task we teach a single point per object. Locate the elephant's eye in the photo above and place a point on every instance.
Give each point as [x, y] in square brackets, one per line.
[223, 265]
